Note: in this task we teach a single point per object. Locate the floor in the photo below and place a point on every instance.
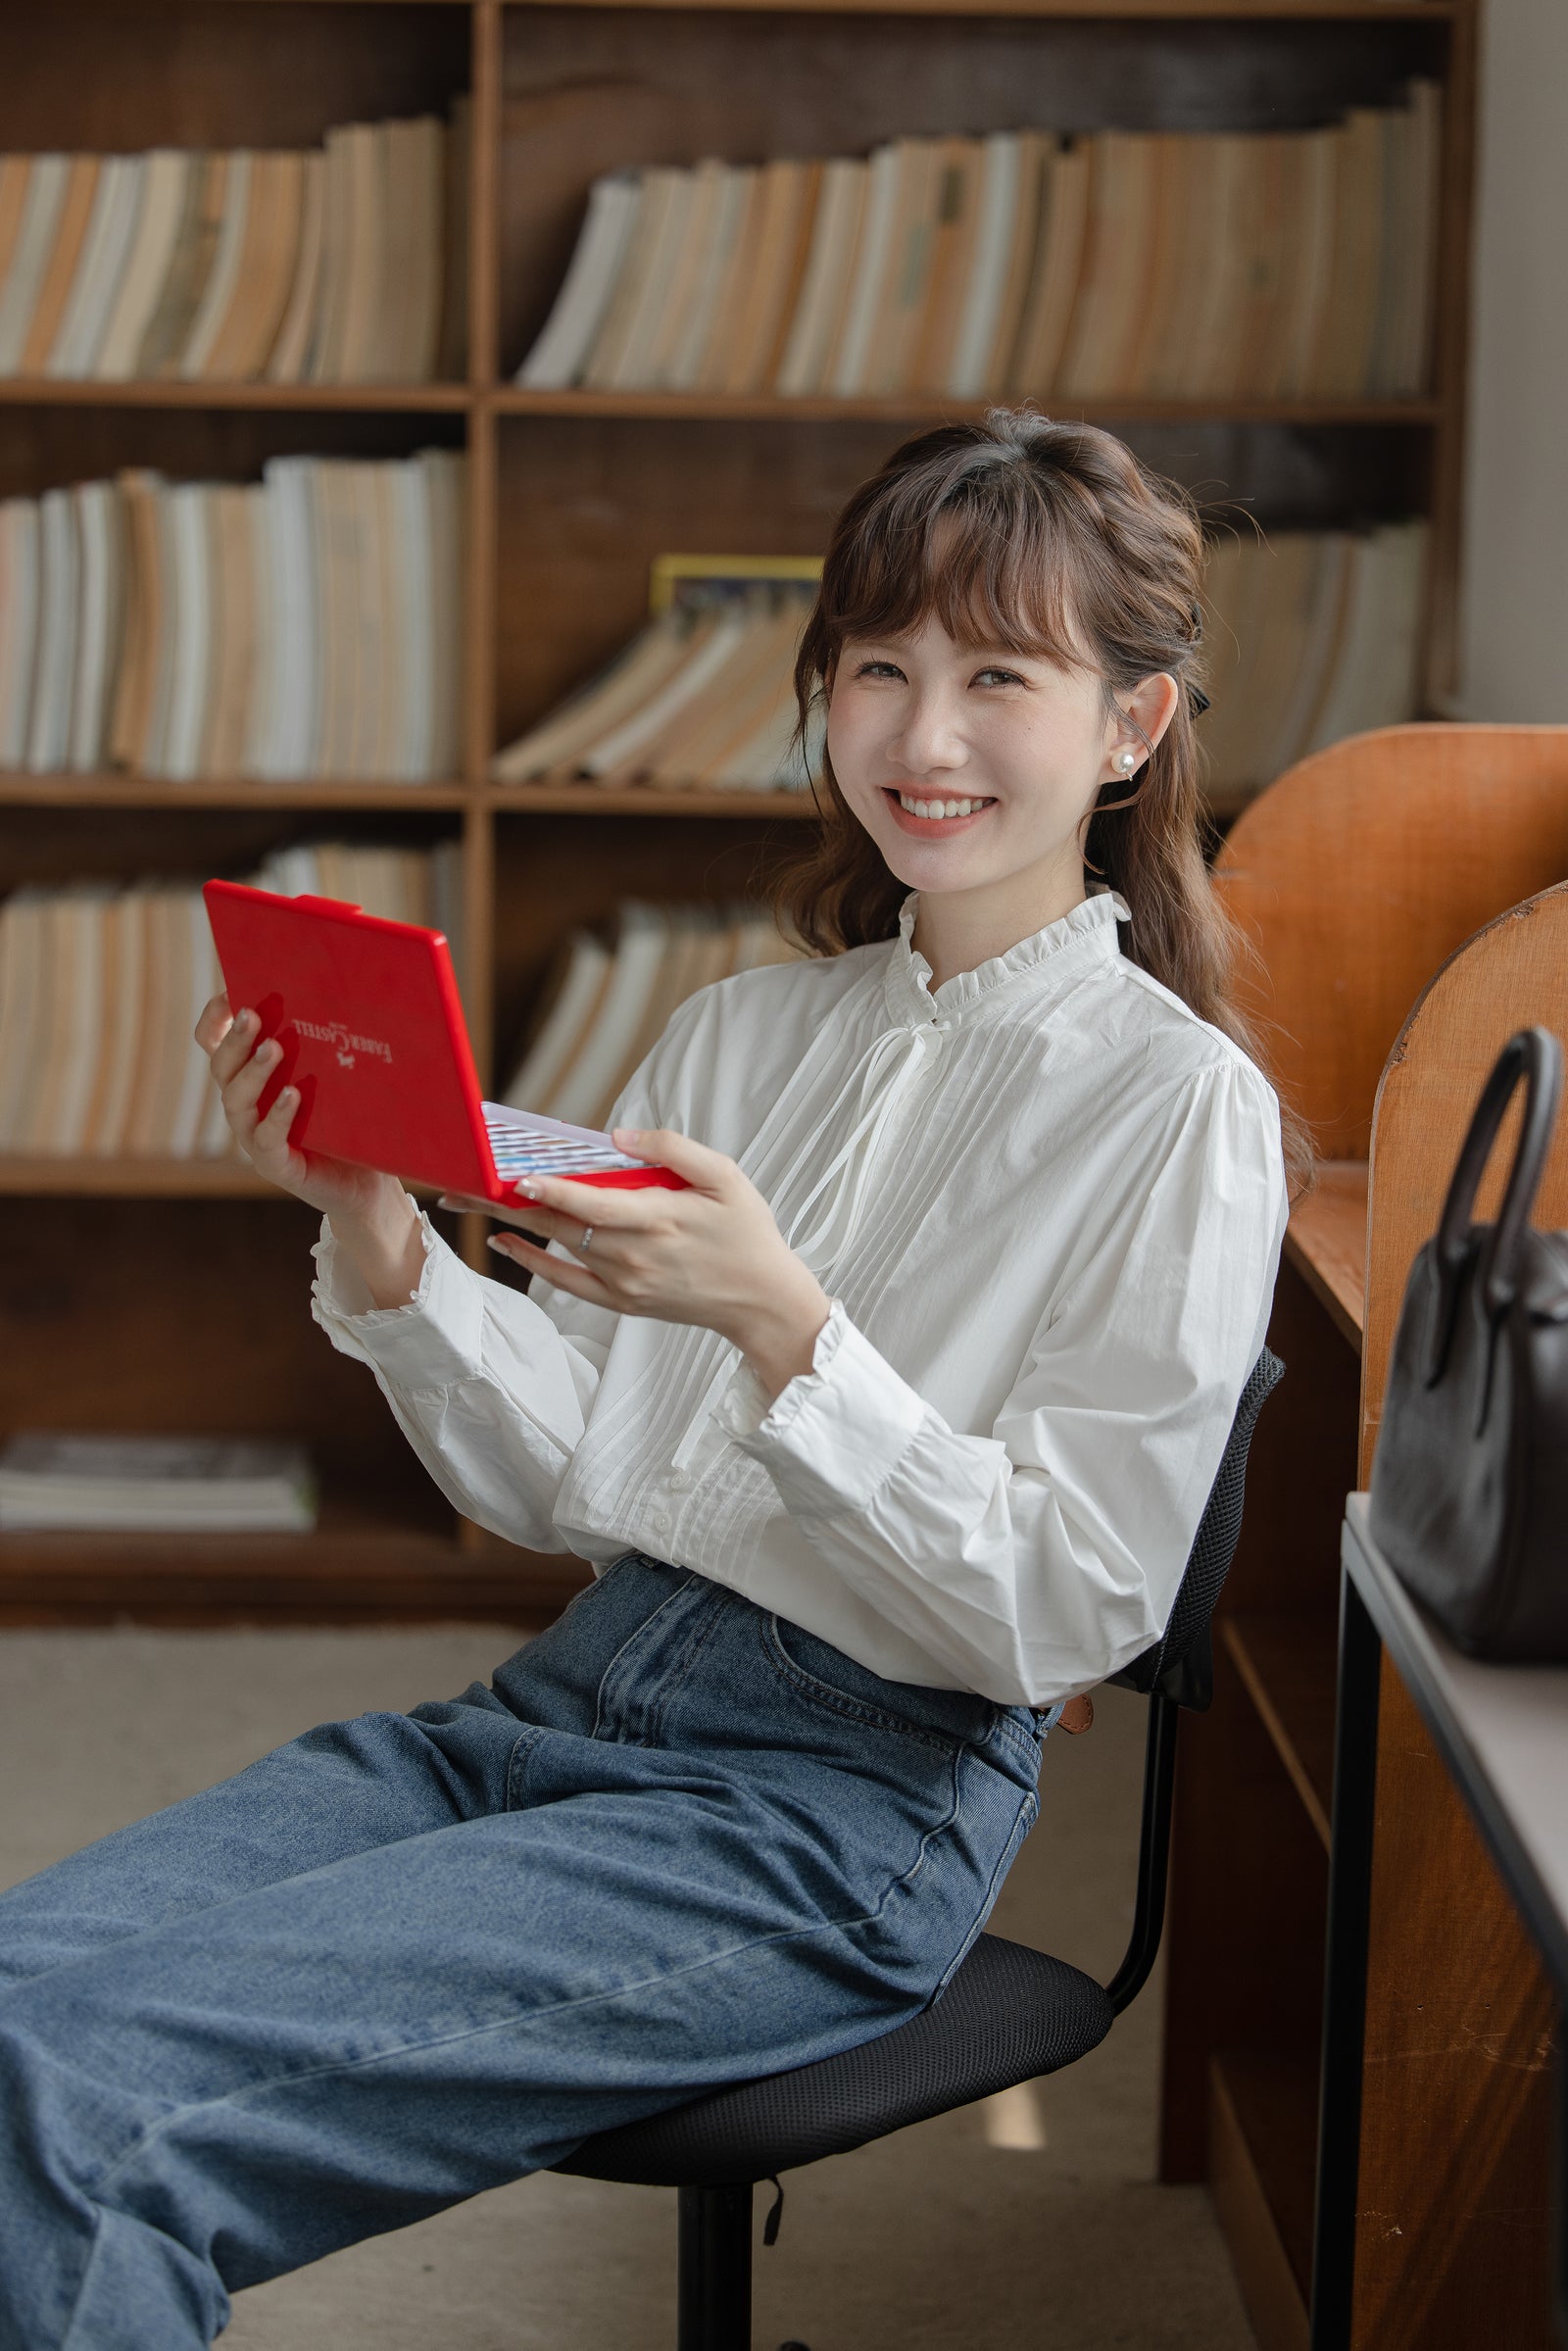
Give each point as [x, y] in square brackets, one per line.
[1032, 2220]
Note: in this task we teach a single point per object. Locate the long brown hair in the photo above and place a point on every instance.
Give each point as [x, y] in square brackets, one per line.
[1053, 539]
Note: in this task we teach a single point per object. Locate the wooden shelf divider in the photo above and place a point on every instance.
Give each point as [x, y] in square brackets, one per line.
[1286, 1665]
[1263, 2132]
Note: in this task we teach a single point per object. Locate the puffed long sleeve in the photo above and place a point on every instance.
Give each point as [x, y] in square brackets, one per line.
[1036, 1559]
[492, 1394]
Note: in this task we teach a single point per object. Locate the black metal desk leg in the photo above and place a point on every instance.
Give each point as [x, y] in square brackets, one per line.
[716, 2268]
[1355, 1747]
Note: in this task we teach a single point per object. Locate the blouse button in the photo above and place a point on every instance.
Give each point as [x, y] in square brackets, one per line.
[661, 1522]
[680, 1481]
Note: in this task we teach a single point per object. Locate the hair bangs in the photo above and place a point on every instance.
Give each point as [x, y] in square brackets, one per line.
[980, 553]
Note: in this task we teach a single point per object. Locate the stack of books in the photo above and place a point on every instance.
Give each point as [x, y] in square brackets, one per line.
[607, 1006]
[1310, 636]
[1146, 265]
[101, 986]
[702, 699]
[325, 267]
[162, 1484]
[305, 625]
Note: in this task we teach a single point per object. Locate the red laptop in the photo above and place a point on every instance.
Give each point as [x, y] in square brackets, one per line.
[373, 1032]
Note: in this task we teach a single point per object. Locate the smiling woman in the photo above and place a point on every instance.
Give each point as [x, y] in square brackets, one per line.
[1011, 609]
[888, 1435]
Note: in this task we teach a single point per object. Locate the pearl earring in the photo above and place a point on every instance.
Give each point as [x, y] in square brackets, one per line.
[1125, 761]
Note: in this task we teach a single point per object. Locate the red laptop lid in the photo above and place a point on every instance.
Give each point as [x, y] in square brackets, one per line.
[372, 1026]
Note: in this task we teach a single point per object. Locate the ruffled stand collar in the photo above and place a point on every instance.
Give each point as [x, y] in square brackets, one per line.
[1088, 929]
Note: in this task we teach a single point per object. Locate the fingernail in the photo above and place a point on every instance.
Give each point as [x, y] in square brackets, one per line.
[243, 1020]
[502, 1249]
[628, 1135]
[288, 1093]
[528, 1187]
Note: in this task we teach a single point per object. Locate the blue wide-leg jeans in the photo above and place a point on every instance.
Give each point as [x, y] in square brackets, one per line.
[675, 1842]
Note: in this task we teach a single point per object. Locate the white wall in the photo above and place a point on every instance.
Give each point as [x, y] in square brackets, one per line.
[1514, 586]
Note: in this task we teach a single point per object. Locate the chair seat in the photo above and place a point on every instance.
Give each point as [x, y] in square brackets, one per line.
[1008, 2014]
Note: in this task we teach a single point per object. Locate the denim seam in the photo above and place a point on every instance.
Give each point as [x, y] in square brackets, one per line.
[634, 1635]
[1027, 1742]
[1028, 1814]
[834, 1701]
[521, 1762]
[98, 2187]
[660, 1699]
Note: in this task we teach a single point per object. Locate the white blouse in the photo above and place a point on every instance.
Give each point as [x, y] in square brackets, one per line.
[1048, 1201]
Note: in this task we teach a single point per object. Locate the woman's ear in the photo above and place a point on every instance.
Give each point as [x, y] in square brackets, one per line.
[1151, 705]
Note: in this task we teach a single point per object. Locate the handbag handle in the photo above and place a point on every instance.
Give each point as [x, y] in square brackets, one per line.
[1536, 1055]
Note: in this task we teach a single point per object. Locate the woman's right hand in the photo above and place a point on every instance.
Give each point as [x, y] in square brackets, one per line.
[371, 1214]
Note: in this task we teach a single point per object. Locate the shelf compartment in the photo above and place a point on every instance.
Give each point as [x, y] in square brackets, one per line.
[1262, 2157]
[1288, 1665]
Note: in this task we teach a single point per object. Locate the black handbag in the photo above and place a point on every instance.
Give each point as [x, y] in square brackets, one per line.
[1469, 1489]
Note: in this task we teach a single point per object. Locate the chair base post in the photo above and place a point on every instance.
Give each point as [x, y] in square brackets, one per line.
[714, 2292]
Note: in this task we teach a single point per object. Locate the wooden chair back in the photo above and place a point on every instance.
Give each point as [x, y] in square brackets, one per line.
[1510, 975]
[1359, 871]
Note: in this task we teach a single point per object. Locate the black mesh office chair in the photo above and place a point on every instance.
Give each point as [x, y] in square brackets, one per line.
[1010, 2014]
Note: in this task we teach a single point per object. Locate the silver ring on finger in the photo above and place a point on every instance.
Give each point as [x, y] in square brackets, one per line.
[587, 1241]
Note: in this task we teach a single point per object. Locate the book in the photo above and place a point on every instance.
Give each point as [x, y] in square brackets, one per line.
[154, 1484]
[661, 198]
[955, 237]
[242, 339]
[363, 291]
[60, 266]
[825, 283]
[289, 359]
[21, 561]
[100, 267]
[165, 177]
[222, 286]
[100, 534]
[787, 202]
[34, 243]
[54, 675]
[189, 267]
[850, 354]
[669, 333]
[144, 620]
[14, 176]
[1057, 272]
[560, 351]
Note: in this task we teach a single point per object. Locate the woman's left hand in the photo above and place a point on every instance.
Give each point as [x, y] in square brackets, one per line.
[711, 1254]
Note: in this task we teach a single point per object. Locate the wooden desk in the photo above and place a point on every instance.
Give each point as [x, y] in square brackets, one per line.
[1501, 1733]
[1248, 1923]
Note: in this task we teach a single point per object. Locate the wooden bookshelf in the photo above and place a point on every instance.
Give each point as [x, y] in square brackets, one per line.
[568, 498]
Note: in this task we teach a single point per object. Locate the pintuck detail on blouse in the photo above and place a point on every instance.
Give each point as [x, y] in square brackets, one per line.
[1047, 1203]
